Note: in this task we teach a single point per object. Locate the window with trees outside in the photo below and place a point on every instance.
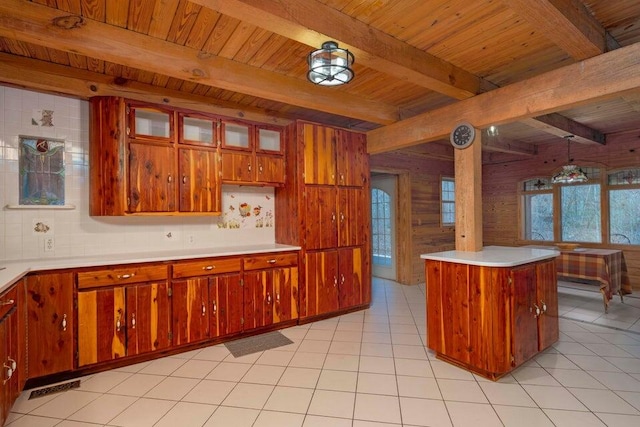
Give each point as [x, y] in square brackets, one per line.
[381, 227]
[577, 215]
[447, 201]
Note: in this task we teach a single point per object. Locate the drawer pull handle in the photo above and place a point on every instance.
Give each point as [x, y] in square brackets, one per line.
[125, 276]
[7, 302]
[133, 321]
[64, 323]
[204, 309]
[209, 267]
[215, 308]
[271, 261]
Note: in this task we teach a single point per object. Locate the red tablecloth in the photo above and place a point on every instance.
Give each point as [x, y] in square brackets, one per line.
[607, 266]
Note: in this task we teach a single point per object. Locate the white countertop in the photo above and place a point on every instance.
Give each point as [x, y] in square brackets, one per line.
[14, 270]
[494, 256]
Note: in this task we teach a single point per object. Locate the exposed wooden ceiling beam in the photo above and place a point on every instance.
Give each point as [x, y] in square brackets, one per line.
[34, 23]
[496, 144]
[601, 77]
[84, 84]
[311, 22]
[567, 23]
[556, 124]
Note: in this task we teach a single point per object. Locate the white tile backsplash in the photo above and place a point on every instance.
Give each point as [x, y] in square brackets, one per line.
[76, 233]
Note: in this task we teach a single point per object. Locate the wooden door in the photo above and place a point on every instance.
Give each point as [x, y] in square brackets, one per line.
[50, 323]
[147, 317]
[547, 301]
[319, 151]
[352, 216]
[321, 230]
[285, 291]
[237, 166]
[269, 169]
[350, 277]
[199, 180]
[152, 177]
[226, 304]
[352, 164]
[190, 308]
[320, 292]
[101, 325]
[524, 321]
[258, 299]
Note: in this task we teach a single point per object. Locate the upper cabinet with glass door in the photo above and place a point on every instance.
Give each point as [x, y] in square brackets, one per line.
[150, 123]
[198, 130]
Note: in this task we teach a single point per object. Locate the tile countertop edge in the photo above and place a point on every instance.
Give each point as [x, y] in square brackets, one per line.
[494, 256]
[15, 270]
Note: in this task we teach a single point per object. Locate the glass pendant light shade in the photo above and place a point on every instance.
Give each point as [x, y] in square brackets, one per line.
[330, 65]
[570, 173]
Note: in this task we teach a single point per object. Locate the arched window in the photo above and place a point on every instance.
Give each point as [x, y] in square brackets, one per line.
[381, 227]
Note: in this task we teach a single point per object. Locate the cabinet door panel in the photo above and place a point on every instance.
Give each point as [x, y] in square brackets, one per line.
[547, 300]
[270, 169]
[285, 290]
[237, 166]
[147, 318]
[319, 144]
[258, 299]
[455, 301]
[525, 324]
[199, 181]
[352, 164]
[152, 178]
[50, 323]
[352, 220]
[190, 310]
[101, 325]
[321, 219]
[321, 288]
[226, 302]
[351, 272]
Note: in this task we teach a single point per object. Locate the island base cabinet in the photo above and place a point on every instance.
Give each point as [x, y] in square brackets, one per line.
[490, 320]
[122, 321]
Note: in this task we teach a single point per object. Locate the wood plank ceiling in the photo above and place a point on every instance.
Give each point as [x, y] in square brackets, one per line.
[416, 61]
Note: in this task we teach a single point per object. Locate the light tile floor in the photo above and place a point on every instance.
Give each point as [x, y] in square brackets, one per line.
[369, 369]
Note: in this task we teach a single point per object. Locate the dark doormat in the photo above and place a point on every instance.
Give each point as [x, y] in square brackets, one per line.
[54, 389]
[256, 343]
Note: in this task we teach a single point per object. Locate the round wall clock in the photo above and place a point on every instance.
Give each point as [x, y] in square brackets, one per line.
[462, 135]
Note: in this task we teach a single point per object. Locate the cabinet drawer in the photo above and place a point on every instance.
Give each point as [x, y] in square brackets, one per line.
[121, 275]
[206, 267]
[269, 261]
[8, 300]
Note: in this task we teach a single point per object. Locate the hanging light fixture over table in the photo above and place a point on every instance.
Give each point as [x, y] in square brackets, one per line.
[570, 173]
[330, 65]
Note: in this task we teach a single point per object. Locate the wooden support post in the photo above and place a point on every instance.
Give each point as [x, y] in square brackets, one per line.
[468, 180]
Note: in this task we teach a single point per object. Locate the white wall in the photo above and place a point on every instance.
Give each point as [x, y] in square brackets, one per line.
[75, 233]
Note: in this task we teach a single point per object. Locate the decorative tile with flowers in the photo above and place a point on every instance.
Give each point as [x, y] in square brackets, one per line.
[246, 207]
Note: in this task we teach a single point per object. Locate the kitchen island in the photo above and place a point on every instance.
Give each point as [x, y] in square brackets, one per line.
[492, 310]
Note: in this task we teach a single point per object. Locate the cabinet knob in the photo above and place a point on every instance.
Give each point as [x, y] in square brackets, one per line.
[335, 281]
[118, 325]
[8, 373]
[208, 267]
[537, 310]
[169, 179]
[204, 309]
[333, 217]
[215, 308]
[544, 306]
[133, 320]
[268, 298]
[271, 261]
[125, 276]
[184, 179]
[277, 296]
[7, 302]
[341, 217]
[342, 279]
[64, 323]
[249, 167]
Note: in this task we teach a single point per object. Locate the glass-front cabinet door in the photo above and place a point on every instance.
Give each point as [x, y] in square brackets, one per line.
[269, 139]
[198, 130]
[150, 123]
[236, 135]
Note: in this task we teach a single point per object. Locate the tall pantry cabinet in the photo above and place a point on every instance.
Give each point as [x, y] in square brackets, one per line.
[325, 209]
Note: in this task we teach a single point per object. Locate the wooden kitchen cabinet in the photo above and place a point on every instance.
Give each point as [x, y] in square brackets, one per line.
[335, 281]
[491, 319]
[270, 289]
[142, 163]
[122, 312]
[206, 299]
[11, 364]
[50, 323]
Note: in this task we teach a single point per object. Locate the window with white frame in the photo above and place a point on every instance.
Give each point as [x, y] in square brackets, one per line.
[624, 206]
[537, 200]
[447, 201]
[580, 216]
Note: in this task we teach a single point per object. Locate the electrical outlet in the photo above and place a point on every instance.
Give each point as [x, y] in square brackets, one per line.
[49, 244]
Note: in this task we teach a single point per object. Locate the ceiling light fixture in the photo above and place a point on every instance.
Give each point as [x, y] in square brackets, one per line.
[330, 65]
[570, 173]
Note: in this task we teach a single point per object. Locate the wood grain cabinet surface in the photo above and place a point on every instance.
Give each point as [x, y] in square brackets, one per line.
[491, 319]
[11, 363]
